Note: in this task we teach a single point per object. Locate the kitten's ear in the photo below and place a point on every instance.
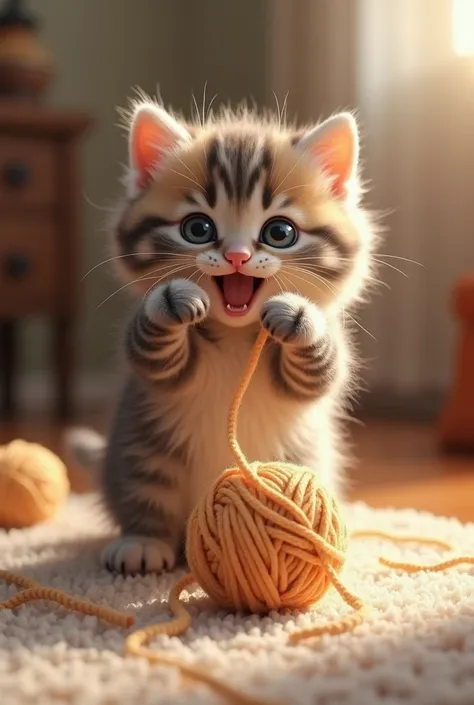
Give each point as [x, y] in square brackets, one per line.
[334, 145]
[153, 132]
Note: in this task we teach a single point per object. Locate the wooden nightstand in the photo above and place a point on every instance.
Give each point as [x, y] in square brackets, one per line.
[40, 191]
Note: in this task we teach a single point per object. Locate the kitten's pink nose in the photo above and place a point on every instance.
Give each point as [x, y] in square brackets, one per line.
[238, 256]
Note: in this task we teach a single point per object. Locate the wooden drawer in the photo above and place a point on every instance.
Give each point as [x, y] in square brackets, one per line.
[28, 172]
[29, 264]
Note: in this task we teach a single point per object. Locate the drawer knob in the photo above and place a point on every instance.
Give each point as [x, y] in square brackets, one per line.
[16, 265]
[17, 174]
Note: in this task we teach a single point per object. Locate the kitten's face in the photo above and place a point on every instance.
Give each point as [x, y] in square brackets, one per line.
[244, 211]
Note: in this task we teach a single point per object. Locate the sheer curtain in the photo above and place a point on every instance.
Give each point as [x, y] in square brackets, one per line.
[394, 63]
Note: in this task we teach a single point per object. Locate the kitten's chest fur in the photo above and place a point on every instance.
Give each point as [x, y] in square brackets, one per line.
[270, 426]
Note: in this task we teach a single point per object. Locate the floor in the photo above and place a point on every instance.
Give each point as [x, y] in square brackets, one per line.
[397, 465]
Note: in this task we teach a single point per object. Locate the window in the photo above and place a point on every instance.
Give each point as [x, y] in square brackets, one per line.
[463, 27]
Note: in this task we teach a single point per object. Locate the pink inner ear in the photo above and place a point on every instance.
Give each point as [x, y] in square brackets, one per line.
[149, 138]
[335, 151]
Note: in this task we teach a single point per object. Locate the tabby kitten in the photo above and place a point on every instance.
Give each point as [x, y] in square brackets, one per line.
[230, 225]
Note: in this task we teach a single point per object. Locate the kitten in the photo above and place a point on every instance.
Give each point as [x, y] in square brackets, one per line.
[228, 226]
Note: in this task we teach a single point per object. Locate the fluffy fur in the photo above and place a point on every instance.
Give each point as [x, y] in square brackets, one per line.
[253, 184]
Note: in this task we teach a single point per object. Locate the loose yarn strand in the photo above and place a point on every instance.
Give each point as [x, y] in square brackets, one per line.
[198, 675]
[304, 544]
[428, 568]
[422, 541]
[135, 645]
[242, 461]
[319, 544]
[175, 627]
[237, 553]
[395, 538]
[34, 591]
[345, 624]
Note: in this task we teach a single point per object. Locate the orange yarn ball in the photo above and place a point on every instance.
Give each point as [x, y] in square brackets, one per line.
[266, 537]
[33, 484]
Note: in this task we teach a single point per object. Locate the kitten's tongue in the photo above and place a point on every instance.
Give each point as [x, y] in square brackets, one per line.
[238, 289]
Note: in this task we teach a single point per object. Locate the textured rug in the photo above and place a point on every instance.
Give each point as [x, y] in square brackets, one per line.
[417, 647]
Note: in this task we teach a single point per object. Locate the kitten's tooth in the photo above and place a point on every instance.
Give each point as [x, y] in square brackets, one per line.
[236, 308]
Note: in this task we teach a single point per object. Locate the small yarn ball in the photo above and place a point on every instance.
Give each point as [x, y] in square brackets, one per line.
[266, 541]
[33, 484]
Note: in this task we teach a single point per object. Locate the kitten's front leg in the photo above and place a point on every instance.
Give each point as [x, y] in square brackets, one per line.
[142, 482]
[159, 341]
[304, 353]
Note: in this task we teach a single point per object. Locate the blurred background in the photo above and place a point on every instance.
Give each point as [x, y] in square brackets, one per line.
[405, 67]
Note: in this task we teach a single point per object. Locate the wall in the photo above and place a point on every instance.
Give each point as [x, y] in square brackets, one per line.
[100, 55]
[415, 103]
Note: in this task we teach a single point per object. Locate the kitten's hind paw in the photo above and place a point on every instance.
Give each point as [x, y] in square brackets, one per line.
[132, 555]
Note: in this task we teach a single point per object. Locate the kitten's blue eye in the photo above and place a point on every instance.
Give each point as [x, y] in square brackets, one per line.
[278, 233]
[198, 229]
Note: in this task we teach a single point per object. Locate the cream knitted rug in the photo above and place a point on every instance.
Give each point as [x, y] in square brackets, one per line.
[417, 648]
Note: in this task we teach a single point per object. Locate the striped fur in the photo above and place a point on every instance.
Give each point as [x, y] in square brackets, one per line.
[186, 353]
[304, 355]
[160, 346]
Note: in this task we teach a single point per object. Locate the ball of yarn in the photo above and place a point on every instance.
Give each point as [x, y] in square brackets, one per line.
[33, 484]
[266, 537]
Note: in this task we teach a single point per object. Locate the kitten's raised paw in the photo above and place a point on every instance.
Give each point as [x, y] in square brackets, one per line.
[290, 318]
[132, 555]
[177, 301]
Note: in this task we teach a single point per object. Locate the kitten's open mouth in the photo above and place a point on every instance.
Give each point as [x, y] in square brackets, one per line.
[238, 292]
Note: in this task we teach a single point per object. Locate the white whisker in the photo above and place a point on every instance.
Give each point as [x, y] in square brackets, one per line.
[133, 254]
[321, 270]
[348, 259]
[278, 108]
[284, 108]
[105, 209]
[332, 289]
[192, 274]
[292, 188]
[312, 274]
[149, 289]
[165, 275]
[203, 274]
[204, 154]
[135, 281]
[280, 283]
[198, 112]
[405, 259]
[303, 154]
[319, 258]
[204, 104]
[395, 269]
[171, 264]
[145, 277]
[179, 173]
[379, 261]
[210, 105]
[185, 166]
